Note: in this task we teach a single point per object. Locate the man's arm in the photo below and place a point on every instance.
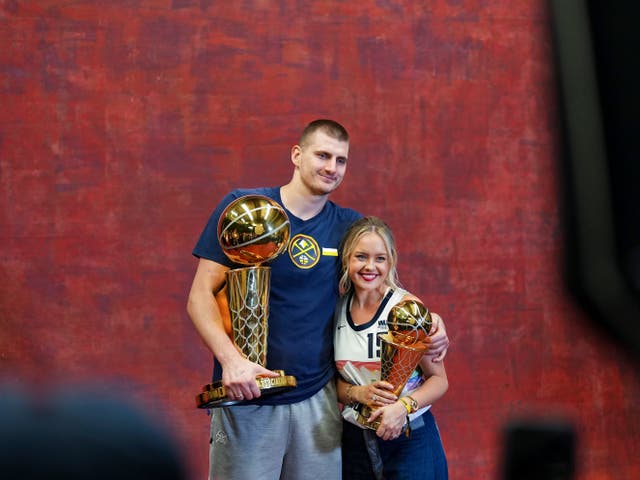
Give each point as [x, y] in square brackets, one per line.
[238, 373]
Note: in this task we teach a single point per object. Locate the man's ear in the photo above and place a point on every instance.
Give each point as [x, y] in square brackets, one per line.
[296, 153]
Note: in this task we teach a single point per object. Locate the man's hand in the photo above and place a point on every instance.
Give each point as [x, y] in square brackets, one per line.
[239, 378]
[439, 343]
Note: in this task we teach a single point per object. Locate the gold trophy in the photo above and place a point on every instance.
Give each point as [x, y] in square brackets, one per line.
[402, 348]
[252, 230]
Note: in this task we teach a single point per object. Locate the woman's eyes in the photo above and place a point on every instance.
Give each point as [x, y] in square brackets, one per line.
[363, 257]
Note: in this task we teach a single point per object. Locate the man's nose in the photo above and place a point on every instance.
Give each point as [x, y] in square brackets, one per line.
[330, 165]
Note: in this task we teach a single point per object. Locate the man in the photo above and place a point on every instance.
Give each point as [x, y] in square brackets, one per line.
[294, 434]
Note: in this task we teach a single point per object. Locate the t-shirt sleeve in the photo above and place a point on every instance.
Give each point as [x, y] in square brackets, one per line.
[208, 246]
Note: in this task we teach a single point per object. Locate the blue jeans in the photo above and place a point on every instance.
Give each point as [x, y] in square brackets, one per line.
[419, 456]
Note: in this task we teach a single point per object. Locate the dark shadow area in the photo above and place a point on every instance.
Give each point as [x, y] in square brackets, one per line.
[598, 69]
[538, 450]
[81, 434]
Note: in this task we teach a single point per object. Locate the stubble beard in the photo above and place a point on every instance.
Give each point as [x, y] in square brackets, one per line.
[320, 188]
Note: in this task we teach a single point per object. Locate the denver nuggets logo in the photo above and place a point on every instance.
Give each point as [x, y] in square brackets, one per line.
[304, 251]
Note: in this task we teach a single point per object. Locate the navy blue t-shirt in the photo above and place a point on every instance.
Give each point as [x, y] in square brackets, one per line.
[303, 295]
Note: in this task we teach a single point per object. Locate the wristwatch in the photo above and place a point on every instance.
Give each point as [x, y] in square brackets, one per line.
[413, 403]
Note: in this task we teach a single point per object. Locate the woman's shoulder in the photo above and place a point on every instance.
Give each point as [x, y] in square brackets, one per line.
[400, 295]
[410, 296]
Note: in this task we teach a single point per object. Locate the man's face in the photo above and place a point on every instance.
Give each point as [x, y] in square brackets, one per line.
[321, 162]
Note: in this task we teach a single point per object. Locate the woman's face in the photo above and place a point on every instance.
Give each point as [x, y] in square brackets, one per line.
[369, 263]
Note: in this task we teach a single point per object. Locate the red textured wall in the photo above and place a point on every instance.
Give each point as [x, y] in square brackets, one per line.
[123, 122]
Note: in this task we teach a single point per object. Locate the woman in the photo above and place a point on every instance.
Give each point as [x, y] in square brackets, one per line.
[370, 288]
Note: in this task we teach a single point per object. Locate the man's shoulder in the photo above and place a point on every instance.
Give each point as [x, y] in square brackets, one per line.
[270, 192]
[236, 193]
[344, 212]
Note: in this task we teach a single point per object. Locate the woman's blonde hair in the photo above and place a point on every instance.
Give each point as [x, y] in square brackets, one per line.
[350, 240]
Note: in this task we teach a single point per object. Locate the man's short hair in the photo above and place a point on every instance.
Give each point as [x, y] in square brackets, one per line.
[329, 127]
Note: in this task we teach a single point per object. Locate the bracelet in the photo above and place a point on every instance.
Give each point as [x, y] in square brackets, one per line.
[406, 405]
[349, 397]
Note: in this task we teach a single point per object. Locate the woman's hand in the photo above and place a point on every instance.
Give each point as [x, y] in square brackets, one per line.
[392, 418]
[376, 394]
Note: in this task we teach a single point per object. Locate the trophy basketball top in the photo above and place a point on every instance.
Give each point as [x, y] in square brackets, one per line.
[253, 229]
[409, 323]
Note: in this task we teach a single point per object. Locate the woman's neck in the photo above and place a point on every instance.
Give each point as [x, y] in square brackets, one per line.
[364, 305]
[368, 298]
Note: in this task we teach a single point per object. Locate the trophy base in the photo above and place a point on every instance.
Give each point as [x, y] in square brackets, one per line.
[214, 394]
[363, 412]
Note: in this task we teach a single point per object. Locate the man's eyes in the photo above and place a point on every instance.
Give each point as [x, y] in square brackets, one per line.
[327, 156]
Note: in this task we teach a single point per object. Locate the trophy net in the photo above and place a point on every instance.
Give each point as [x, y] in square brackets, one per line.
[249, 308]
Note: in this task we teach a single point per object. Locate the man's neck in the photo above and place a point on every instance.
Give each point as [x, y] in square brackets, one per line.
[300, 202]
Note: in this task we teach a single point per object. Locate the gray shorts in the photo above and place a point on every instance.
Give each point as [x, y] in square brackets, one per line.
[297, 442]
